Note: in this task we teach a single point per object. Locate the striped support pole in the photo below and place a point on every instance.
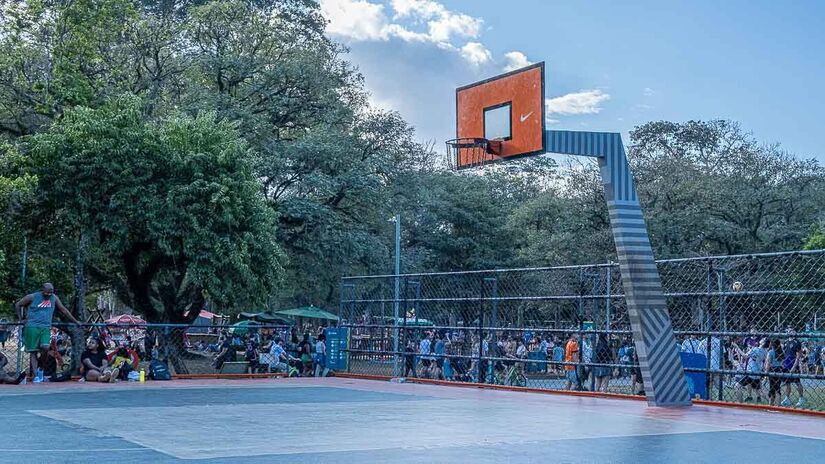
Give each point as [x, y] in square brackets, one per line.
[661, 366]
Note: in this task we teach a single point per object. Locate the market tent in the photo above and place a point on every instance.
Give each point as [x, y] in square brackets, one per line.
[265, 318]
[202, 323]
[309, 312]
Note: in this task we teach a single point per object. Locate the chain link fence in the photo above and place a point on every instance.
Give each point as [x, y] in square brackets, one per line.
[750, 327]
[185, 350]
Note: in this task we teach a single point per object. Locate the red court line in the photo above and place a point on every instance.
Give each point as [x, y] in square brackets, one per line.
[228, 376]
[761, 407]
[622, 396]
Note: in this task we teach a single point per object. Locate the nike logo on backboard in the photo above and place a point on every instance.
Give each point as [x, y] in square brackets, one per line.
[524, 117]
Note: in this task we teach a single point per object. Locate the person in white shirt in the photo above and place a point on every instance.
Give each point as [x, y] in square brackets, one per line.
[521, 353]
[321, 369]
[690, 345]
[715, 356]
[424, 350]
[280, 358]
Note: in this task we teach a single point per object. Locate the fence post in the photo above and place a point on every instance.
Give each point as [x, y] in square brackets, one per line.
[482, 373]
[19, 349]
[607, 300]
[709, 327]
[166, 337]
[708, 353]
[720, 282]
[721, 366]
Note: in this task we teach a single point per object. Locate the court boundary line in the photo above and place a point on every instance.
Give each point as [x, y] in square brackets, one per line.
[585, 394]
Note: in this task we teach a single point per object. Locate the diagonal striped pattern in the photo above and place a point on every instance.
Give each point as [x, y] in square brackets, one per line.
[661, 365]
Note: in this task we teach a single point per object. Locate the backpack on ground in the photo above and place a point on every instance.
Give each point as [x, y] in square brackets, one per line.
[158, 370]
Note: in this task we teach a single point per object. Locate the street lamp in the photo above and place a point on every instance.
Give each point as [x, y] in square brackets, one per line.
[395, 305]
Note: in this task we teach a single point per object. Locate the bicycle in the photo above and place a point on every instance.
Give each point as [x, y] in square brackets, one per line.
[511, 376]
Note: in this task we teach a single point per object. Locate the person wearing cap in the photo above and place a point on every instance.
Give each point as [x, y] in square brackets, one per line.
[35, 311]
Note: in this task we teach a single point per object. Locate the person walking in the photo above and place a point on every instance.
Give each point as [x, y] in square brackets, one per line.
[571, 359]
[35, 312]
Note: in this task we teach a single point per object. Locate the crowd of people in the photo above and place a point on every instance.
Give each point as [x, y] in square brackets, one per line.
[506, 357]
[757, 369]
[108, 357]
[265, 350]
[769, 365]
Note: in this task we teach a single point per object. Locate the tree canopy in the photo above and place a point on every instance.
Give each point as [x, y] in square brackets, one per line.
[204, 152]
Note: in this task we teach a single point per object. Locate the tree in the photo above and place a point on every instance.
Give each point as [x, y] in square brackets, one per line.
[172, 207]
[709, 187]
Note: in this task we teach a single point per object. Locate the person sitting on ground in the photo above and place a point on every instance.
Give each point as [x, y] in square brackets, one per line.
[123, 362]
[95, 366]
[9, 378]
[57, 366]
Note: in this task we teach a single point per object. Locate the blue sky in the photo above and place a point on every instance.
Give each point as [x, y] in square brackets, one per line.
[610, 65]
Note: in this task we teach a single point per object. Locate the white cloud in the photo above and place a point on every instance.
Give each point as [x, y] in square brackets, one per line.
[648, 92]
[443, 28]
[515, 60]
[355, 19]
[423, 8]
[584, 102]
[397, 30]
[476, 53]
[362, 20]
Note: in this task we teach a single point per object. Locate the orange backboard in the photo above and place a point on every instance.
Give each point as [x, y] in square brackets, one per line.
[508, 108]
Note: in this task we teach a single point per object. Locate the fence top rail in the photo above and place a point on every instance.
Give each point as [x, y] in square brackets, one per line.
[155, 325]
[585, 266]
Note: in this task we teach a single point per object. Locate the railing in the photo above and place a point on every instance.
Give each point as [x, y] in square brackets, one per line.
[476, 321]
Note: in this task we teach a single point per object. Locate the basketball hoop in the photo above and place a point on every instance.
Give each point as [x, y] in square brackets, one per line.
[470, 152]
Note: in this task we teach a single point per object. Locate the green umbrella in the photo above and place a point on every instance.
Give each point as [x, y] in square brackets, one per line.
[265, 318]
[310, 312]
[243, 327]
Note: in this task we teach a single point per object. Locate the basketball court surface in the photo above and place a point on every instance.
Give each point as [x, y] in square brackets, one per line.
[338, 420]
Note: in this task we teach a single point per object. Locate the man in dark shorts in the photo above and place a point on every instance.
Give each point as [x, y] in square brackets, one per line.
[37, 323]
[791, 365]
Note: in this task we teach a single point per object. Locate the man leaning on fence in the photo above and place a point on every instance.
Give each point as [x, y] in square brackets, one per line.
[35, 312]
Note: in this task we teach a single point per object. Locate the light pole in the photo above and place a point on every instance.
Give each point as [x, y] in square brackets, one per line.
[396, 293]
